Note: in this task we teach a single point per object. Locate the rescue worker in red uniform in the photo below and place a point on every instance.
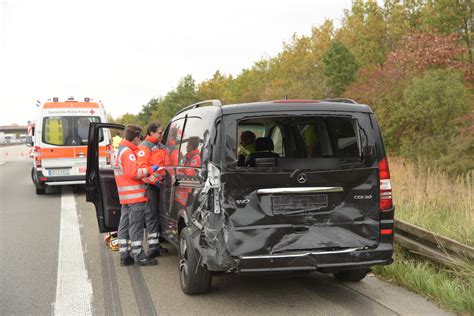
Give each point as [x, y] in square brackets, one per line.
[173, 154]
[149, 152]
[131, 190]
[191, 159]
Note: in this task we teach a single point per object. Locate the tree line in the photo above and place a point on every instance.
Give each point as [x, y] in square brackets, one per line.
[411, 61]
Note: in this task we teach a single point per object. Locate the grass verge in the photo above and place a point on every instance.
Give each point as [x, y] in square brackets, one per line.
[430, 199]
[434, 201]
[452, 289]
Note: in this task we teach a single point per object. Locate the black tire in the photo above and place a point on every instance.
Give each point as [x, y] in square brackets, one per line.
[194, 278]
[351, 275]
[40, 191]
[33, 175]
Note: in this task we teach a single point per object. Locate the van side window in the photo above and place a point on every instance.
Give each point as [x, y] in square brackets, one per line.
[344, 136]
[173, 139]
[329, 137]
[192, 143]
[277, 139]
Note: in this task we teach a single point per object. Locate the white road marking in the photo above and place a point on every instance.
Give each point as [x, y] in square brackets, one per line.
[74, 289]
[2, 162]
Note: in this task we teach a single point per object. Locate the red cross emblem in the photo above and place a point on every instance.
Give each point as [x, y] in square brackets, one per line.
[92, 112]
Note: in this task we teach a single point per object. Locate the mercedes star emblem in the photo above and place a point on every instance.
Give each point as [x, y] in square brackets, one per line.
[302, 177]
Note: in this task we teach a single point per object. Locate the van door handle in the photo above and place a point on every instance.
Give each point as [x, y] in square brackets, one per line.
[81, 155]
[299, 190]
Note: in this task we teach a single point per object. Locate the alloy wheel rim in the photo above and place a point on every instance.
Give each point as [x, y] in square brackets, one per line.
[183, 262]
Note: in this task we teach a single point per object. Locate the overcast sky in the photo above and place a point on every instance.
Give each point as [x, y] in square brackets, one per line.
[126, 52]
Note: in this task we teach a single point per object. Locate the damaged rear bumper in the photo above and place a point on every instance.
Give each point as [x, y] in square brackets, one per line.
[324, 261]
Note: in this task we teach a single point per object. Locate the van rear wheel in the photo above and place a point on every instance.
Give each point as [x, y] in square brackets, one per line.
[194, 278]
[350, 275]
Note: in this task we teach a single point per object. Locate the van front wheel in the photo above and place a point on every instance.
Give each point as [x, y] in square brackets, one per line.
[195, 279]
[350, 275]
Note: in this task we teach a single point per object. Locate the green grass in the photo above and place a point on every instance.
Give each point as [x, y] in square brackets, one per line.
[452, 289]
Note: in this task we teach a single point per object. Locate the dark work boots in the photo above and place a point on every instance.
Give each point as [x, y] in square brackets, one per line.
[126, 261]
[143, 260]
[153, 252]
[146, 262]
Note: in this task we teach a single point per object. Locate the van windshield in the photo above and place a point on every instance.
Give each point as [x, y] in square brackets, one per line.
[316, 142]
[67, 130]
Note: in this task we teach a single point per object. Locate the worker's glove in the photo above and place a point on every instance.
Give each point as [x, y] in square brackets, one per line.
[155, 167]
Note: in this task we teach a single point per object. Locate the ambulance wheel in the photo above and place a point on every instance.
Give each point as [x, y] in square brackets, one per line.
[195, 279]
[351, 275]
[40, 191]
[33, 175]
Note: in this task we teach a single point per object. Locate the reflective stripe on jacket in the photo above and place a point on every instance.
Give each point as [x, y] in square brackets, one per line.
[128, 174]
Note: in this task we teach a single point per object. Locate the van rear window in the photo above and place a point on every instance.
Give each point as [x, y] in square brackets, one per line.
[299, 142]
[67, 130]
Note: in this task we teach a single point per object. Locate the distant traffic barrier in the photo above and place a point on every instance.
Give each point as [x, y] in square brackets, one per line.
[11, 144]
[431, 245]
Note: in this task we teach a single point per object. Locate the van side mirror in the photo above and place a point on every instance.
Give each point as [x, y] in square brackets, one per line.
[29, 141]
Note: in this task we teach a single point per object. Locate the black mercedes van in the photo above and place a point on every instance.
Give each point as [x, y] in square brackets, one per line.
[308, 190]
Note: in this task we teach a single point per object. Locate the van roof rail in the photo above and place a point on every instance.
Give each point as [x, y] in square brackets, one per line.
[341, 100]
[196, 105]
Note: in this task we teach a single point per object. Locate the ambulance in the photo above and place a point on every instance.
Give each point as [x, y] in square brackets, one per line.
[60, 142]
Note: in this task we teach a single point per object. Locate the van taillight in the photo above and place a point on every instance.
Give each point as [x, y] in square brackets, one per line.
[385, 185]
[37, 157]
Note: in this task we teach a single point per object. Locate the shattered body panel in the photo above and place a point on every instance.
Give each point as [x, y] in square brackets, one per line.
[255, 229]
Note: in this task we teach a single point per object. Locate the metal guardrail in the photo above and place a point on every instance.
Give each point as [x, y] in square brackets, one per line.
[430, 245]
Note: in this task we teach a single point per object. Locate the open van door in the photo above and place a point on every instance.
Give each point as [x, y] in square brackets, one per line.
[100, 182]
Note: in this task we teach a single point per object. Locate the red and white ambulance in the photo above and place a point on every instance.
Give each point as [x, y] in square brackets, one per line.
[60, 142]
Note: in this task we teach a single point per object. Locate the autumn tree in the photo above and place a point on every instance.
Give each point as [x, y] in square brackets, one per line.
[219, 87]
[147, 111]
[250, 83]
[184, 95]
[340, 68]
[429, 115]
[364, 32]
[451, 16]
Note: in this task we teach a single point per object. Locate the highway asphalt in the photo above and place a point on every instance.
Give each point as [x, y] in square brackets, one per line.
[32, 281]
